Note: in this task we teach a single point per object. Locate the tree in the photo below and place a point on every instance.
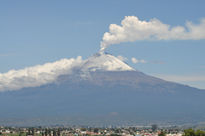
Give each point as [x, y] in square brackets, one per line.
[58, 132]
[54, 133]
[83, 129]
[115, 135]
[191, 132]
[32, 131]
[199, 133]
[162, 133]
[95, 130]
[46, 132]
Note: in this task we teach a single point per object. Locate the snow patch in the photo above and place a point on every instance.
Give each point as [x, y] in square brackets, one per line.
[105, 62]
[48, 73]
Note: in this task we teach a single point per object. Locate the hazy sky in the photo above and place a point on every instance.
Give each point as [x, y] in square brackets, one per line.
[36, 32]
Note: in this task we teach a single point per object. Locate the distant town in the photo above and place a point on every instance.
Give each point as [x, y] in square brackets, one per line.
[153, 130]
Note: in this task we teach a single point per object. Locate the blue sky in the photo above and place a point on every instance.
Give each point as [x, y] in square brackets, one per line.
[36, 32]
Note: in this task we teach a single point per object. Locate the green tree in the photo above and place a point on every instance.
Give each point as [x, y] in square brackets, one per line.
[115, 135]
[189, 132]
[95, 130]
[58, 132]
[83, 129]
[21, 133]
[54, 133]
[200, 133]
[32, 131]
[46, 132]
[162, 133]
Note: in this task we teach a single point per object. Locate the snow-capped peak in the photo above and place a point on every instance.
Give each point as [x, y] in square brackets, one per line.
[105, 62]
[48, 73]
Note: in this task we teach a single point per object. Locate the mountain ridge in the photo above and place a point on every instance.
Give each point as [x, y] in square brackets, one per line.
[104, 62]
[91, 93]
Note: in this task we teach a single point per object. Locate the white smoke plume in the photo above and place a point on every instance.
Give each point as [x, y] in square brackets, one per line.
[37, 75]
[133, 29]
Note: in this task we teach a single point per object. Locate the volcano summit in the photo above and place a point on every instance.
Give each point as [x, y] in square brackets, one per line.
[100, 90]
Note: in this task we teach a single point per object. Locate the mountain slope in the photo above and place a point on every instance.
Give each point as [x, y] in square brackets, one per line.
[104, 62]
[101, 91]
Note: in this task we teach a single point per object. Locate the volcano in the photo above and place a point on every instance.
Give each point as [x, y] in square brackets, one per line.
[103, 90]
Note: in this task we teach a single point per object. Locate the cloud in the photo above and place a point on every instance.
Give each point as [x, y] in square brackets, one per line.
[135, 61]
[133, 29]
[37, 75]
[122, 58]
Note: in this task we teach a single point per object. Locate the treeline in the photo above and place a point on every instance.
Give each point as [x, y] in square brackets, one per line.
[191, 132]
